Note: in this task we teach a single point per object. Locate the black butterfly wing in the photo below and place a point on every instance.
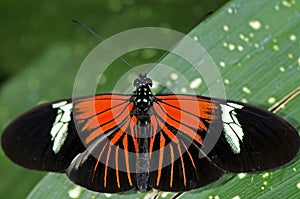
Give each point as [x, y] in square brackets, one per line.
[44, 138]
[180, 167]
[253, 139]
[104, 167]
[96, 155]
[94, 151]
[245, 138]
[107, 130]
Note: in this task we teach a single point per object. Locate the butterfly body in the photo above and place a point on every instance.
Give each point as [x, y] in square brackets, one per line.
[114, 143]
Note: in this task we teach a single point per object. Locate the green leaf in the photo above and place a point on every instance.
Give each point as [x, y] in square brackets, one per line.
[255, 45]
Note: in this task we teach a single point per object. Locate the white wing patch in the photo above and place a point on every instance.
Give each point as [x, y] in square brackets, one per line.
[233, 130]
[59, 129]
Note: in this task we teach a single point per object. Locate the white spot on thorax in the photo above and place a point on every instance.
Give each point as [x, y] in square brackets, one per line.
[233, 130]
[59, 129]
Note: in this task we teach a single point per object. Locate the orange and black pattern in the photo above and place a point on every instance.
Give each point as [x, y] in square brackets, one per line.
[101, 142]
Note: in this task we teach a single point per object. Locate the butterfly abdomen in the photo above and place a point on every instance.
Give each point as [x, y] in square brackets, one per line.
[143, 158]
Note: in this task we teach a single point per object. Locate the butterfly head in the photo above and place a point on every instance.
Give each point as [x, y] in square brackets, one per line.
[142, 80]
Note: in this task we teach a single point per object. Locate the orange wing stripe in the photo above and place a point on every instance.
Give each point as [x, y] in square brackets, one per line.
[98, 160]
[180, 116]
[161, 156]
[198, 106]
[172, 165]
[191, 157]
[117, 166]
[118, 135]
[176, 125]
[109, 120]
[182, 165]
[106, 165]
[171, 135]
[101, 113]
[125, 143]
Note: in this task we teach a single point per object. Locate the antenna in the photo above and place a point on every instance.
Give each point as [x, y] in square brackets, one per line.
[103, 41]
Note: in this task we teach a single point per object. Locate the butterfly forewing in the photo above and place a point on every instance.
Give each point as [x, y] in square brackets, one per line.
[253, 139]
[44, 138]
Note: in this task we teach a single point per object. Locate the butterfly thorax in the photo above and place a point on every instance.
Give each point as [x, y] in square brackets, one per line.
[143, 100]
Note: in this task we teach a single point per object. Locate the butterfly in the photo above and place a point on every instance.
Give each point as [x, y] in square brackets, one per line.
[174, 142]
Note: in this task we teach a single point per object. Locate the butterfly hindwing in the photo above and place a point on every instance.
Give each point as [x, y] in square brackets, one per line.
[180, 126]
[104, 168]
[107, 130]
[180, 166]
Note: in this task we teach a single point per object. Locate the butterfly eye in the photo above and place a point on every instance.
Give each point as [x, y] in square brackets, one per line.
[136, 83]
[149, 81]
